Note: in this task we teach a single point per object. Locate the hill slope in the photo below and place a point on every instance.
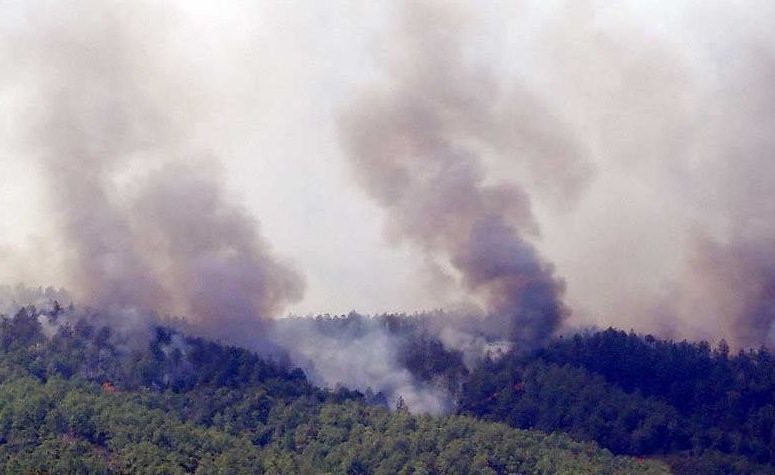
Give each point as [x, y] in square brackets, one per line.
[85, 400]
[707, 411]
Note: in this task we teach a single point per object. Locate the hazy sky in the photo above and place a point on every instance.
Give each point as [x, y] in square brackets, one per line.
[645, 89]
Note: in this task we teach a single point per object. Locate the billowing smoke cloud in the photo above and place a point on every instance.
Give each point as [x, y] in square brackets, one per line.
[416, 143]
[109, 99]
[673, 234]
[93, 115]
[215, 262]
[729, 280]
[733, 287]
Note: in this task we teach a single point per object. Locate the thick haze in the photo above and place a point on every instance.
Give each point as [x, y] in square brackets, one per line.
[269, 157]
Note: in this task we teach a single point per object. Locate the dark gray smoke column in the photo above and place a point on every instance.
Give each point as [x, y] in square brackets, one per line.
[416, 142]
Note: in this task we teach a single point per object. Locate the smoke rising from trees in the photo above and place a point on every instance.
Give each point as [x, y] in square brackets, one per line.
[602, 157]
[415, 142]
[167, 240]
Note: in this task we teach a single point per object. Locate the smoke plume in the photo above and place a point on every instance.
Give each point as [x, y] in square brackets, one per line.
[215, 262]
[729, 282]
[109, 101]
[416, 143]
[673, 234]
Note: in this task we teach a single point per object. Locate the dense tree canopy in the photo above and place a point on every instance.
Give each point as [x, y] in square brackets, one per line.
[76, 396]
[86, 400]
[641, 396]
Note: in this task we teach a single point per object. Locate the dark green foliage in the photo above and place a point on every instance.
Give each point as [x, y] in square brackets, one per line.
[164, 359]
[715, 463]
[562, 398]
[70, 427]
[87, 401]
[638, 395]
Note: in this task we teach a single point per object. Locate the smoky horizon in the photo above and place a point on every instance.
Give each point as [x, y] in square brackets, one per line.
[532, 166]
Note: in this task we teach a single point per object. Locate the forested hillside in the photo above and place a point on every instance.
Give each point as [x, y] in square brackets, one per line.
[700, 408]
[703, 409]
[76, 397]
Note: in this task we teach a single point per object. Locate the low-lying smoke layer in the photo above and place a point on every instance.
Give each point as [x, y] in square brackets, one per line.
[359, 353]
[12, 299]
[416, 144]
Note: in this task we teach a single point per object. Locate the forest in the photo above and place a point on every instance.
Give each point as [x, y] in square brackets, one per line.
[77, 397]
